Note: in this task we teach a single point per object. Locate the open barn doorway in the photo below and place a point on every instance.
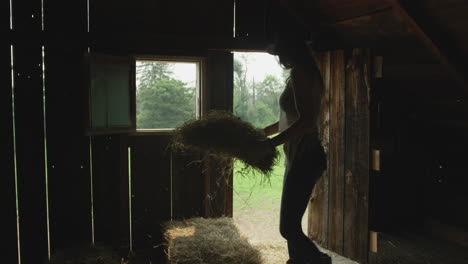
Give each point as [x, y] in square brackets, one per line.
[258, 83]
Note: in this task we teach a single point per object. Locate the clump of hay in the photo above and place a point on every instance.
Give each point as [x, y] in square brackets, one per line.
[275, 251]
[87, 254]
[208, 241]
[222, 134]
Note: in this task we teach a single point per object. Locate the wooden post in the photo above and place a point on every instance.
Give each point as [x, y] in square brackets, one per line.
[356, 189]
[337, 151]
[219, 96]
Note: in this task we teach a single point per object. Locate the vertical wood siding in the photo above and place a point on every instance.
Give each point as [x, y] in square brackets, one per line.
[7, 174]
[347, 185]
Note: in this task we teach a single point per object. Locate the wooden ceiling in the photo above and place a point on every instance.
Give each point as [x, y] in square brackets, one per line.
[420, 40]
[424, 44]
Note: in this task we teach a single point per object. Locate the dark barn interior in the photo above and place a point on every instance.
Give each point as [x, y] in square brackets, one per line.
[395, 75]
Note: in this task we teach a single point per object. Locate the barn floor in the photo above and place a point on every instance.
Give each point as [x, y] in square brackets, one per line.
[276, 252]
[261, 227]
[393, 249]
[419, 248]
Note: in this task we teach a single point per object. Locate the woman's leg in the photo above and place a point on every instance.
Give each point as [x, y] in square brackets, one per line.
[299, 181]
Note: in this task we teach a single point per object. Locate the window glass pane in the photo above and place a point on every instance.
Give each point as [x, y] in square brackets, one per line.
[166, 93]
[119, 103]
[110, 101]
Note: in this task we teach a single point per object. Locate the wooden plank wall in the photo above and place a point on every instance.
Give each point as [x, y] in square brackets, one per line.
[154, 169]
[67, 147]
[187, 185]
[54, 156]
[29, 117]
[7, 173]
[107, 157]
[357, 155]
[338, 216]
[337, 126]
[151, 193]
[52, 165]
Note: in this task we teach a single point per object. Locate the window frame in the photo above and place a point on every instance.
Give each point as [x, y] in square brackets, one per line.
[111, 59]
[200, 61]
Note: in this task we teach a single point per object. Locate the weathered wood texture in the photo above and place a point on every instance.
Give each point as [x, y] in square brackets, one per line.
[318, 211]
[219, 96]
[356, 156]
[7, 168]
[327, 205]
[339, 204]
[151, 194]
[337, 151]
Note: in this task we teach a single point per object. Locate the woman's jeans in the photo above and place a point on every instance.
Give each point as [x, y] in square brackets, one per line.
[306, 161]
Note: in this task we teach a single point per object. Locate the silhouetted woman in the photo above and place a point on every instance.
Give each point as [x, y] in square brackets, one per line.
[298, 129]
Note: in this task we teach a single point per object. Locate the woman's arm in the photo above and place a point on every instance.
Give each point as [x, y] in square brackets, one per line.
[271, 129]
[307, 88]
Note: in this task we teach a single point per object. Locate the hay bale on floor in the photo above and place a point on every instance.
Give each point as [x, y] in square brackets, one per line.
[223, 134]
[208, 241]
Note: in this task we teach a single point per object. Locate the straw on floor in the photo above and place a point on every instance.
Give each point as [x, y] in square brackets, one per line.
[208, 241]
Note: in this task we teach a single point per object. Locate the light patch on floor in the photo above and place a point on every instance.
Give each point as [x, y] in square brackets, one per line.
[276, 252]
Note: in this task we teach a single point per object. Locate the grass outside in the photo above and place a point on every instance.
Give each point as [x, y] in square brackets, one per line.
[252, 191]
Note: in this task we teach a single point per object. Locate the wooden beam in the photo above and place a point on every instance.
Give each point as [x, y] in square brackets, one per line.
[430, 45]
[356, 161]
[337, 151]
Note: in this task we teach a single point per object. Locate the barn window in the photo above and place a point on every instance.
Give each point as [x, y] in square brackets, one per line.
[167, 92]
[140, 94]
